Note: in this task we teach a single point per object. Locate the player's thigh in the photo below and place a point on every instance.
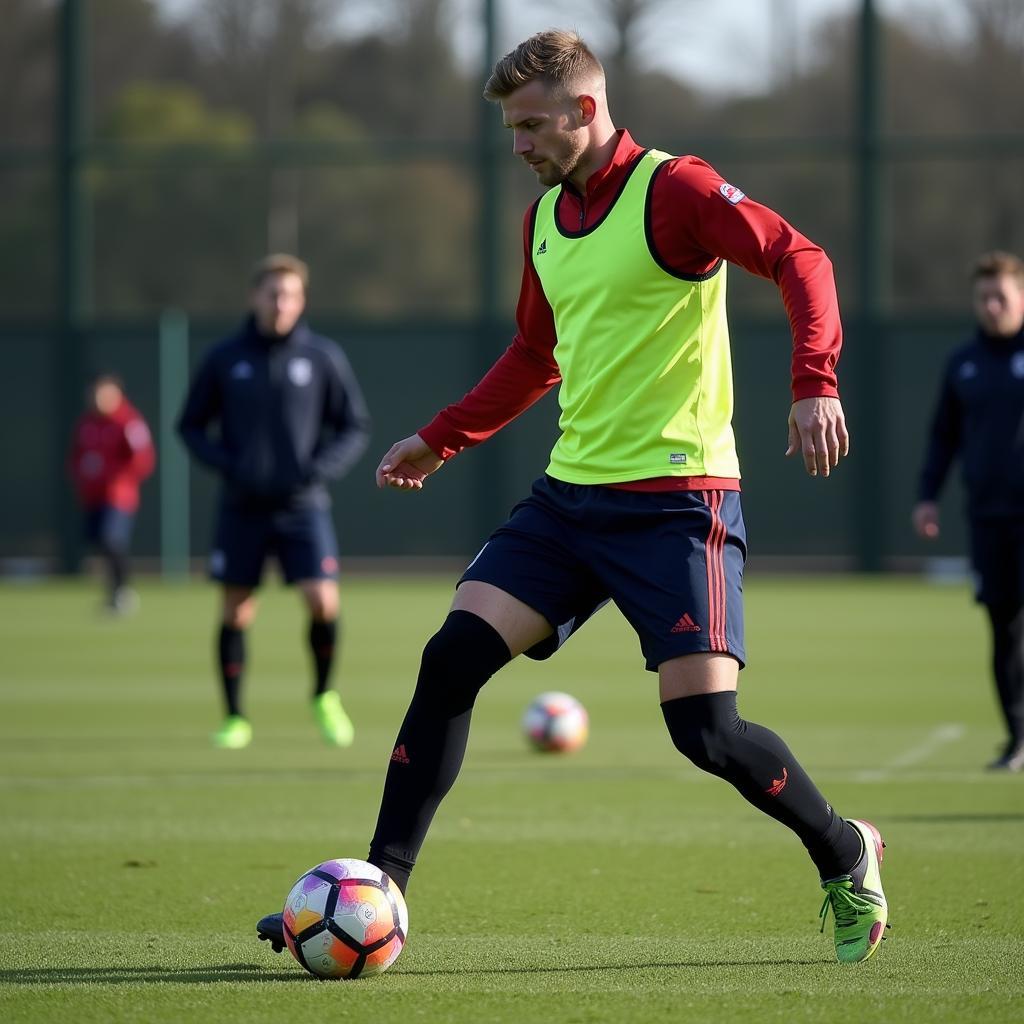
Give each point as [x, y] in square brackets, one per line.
[242, 538]
[237, 606]
[92, 523]
[1016, 554]
[997, 559]
[115, 528]
[673, 563]
[516, 622]
[306, 545]
[691, 674]
[528, 580]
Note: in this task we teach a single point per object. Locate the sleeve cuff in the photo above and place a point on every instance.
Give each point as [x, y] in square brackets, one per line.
[434, 435]
[814, 389]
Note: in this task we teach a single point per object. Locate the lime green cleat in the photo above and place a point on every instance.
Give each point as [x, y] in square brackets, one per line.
[857, 901]
[335, 725]
[235, 732]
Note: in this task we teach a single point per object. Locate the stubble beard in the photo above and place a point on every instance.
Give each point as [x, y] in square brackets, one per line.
[563, 166]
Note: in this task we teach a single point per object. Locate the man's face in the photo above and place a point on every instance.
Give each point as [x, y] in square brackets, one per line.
[277, 303]
[999, 305]
[106, 397]
[545, 132]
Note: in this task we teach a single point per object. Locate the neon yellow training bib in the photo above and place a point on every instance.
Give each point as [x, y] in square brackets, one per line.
[644, 354]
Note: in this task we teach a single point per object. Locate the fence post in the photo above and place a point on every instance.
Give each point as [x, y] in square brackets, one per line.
[174, 472]
[868, 427]
[490, 501]
[72, 265]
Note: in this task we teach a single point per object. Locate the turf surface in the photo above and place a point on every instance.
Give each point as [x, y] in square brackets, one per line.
[615, 884]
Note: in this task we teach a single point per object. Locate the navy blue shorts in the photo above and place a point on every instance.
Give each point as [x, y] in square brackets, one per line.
[109, 527]
[671, 561]
[301, 538]
[997, 556]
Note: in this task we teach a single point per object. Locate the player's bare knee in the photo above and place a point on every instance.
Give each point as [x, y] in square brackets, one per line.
[322, 600]
[238, 609]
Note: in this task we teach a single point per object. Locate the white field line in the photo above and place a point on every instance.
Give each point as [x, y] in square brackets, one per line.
[900, 764]
[935, 740]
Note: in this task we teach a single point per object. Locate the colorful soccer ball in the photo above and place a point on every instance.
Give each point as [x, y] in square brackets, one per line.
[345, 919]
[556, 722]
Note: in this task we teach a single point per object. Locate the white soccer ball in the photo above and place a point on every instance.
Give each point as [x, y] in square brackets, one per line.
[556, 722]
[345, 919]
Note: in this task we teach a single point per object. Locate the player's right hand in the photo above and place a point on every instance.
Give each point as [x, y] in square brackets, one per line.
[407, 464]
[925, 518]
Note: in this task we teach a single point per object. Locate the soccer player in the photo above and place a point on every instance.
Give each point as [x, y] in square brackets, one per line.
[980, 417]
[623, 307]
[111, 454]
[290, 417]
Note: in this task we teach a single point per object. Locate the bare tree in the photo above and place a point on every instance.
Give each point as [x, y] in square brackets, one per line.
[293, 27]
[265, 55]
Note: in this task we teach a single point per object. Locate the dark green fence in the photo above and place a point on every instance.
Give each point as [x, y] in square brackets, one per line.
[409, 371]
[413, 238]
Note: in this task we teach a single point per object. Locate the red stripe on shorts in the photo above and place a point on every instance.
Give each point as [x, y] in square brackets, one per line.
[715, 559]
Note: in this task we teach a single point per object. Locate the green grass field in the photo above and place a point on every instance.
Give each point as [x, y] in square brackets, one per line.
[616, 884]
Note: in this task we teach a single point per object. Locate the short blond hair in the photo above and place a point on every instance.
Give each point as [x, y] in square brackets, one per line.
[279, 263]
[998, 264]
[558, 58]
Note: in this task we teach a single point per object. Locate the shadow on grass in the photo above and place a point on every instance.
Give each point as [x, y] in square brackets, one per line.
[220, 973]
[654, 965]
[961, 818]
[209, 975]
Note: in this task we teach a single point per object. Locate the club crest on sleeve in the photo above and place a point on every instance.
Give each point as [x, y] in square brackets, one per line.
[300, 371]
[137, 434]
[731, 193]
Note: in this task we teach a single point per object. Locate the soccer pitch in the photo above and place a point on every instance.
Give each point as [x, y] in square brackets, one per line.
[614, 884]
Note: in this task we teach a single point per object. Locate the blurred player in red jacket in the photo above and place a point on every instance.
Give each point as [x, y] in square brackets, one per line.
[111, 454]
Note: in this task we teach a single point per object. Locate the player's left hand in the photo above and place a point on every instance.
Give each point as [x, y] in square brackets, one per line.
[817, 429]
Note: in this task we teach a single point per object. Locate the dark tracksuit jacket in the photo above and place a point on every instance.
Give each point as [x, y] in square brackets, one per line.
[980, 417]
[289, 412]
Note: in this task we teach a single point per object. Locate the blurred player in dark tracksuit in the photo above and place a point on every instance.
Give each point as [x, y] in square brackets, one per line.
[289, 417]
[980, 417]
[111, 454]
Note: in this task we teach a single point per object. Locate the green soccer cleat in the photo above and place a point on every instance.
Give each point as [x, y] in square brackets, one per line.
[234, 733]
[335, 725]
[857, 901]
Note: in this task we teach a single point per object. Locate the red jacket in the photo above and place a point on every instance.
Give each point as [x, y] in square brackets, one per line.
[110, 456]
[696, 218]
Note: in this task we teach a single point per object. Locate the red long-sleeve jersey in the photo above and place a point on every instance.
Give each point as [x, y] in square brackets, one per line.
[696, 218]
[110, 456]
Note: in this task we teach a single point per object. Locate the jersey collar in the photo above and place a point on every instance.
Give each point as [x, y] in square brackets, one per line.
[606, 180]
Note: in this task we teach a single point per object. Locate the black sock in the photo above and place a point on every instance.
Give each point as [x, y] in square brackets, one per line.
[1008, 666]
[118, 570]
[231, 658]
[707, 728]
[323, 638]
[431, 743]
[117, 566]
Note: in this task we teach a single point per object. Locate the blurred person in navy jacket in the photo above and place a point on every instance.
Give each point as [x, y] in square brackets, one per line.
[979, 418]
[277, 412]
